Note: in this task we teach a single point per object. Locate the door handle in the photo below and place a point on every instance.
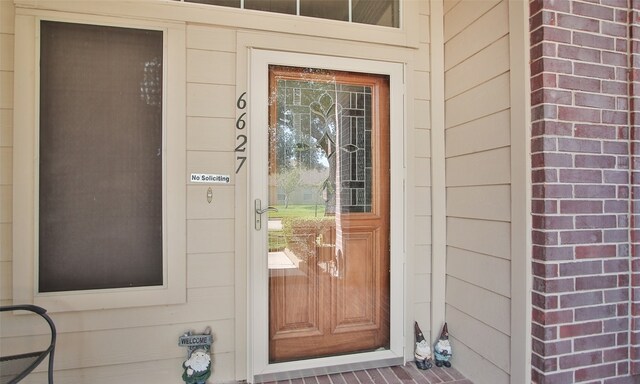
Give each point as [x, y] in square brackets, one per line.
[258, 211]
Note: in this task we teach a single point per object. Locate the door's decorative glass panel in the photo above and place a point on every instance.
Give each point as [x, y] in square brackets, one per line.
[329, 241]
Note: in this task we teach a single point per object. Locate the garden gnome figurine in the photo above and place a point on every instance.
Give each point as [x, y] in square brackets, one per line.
[442, 349]
[197, 368]
[423, 351]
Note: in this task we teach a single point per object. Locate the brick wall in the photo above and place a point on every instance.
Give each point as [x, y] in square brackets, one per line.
[585, 315]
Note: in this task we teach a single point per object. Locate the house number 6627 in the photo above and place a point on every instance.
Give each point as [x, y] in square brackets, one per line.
[241, 139]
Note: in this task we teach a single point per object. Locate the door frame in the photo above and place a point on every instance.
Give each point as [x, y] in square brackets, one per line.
[258, 366]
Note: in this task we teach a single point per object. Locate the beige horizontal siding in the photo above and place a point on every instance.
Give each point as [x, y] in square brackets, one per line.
[476, 35]
[473, 235]
[481, 168]
[210, 134]
[479, 202]
[483, 100]
[486, 64]
[479, 303]
[477, 366]
[485, 340]
[463, 13]
[485, 133]
[478, 179]
[480, 270]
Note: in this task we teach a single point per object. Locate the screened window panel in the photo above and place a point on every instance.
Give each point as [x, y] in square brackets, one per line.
[377, 12]
[326, 9]
[223, 3]
[277, 6]
[100, 167]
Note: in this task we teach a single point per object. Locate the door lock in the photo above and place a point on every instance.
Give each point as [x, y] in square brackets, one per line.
[259, 211]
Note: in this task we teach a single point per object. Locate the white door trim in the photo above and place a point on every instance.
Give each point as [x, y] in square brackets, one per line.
[258, 343]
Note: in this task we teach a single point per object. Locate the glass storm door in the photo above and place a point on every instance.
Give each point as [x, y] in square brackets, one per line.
[328, 241]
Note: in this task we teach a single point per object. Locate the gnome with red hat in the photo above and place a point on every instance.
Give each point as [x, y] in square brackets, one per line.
[442, 349]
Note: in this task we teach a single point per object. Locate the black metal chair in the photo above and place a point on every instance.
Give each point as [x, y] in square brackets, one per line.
[14, 368]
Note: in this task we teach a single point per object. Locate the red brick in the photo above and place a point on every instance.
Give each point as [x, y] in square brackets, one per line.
[594, 70]
[619, 324]
[614, 87]
[544, 238]
[552, 96]
[544, 175]
[554, 160]
[578, 22]
[552, 128]
[597, 372]
[622, 310]
[616, 206]
[580, 329]
[614, 58]
[579, 145]
[544, 111]
[555, 317]
[579, 83]
[580, 206]
[543, 80]
[550, 65]
[620, 148]
[595, 131]
[616, 295]
[543, 144]
[552, 253]
[615, 236]
[551, 378]
[581, 237]
[596, 282]
[595, 161]
[594, 100]
[615, 177]
[614, 29]
[579, 53]
[596, 221]
[544, 206]
[552, 191]
[552, 222]
[545, 270]
[545, 365]
[577, 268]
[580, 176]
[616, 265]
[581, 299]
[595, 312]
[594, 191]
[613, 117]
[580, 359]
[595, 11]
[594, 41]
[544, 301]
[575, 114]
[553, 285]
[553, 348]
[544, 333]
[598, 342]
[595, 251]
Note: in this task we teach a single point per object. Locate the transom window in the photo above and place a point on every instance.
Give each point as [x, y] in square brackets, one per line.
[375, 12]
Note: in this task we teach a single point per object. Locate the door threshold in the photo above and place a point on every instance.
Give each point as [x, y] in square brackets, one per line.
[327, 370]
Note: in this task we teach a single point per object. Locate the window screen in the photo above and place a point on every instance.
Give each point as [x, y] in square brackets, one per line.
[100, 165]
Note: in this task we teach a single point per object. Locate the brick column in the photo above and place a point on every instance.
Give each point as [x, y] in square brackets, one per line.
[582, 193]
[634, 115]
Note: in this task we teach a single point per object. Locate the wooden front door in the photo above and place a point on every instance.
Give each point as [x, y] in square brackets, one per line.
[329, 240]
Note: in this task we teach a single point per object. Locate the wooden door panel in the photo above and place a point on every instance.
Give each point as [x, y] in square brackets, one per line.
[356, 290]
[294, 303]
[334, 298]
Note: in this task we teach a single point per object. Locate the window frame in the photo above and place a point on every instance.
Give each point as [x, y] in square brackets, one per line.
[26, 172]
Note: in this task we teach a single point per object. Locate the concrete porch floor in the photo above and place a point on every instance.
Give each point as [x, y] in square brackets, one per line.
[407, 374]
